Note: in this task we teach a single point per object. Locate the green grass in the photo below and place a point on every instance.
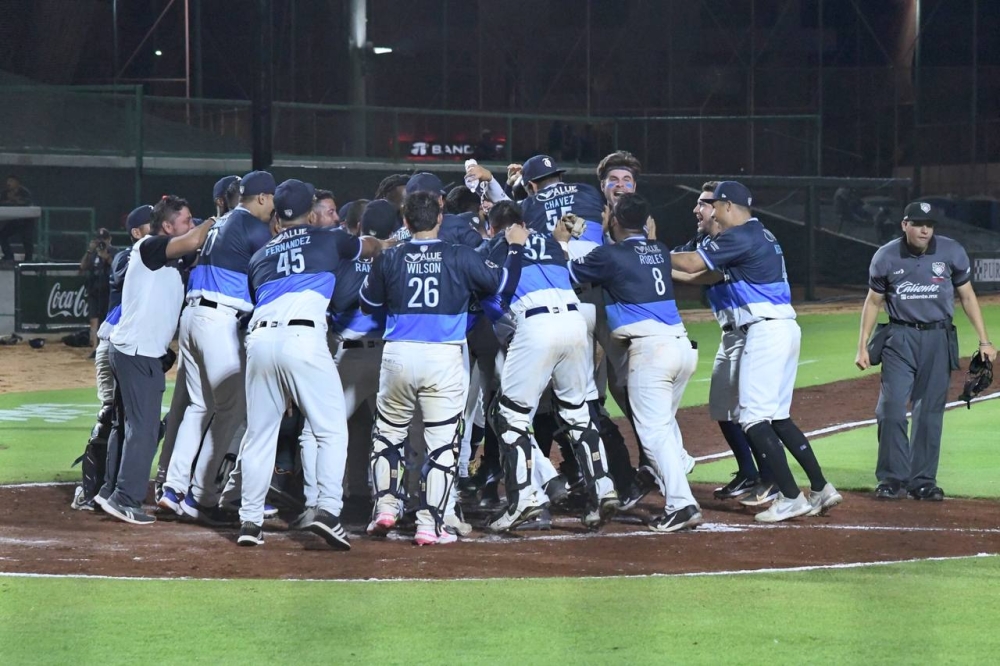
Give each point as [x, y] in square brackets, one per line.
[926, 612]
[968, 455]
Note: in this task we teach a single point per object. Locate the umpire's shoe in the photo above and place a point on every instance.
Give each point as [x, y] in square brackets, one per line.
[687, 517]
[890, 490]
[927, 492]
[250, 535]
[328, 526]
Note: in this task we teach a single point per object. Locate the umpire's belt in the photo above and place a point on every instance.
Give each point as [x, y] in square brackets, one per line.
[370, 343]
[921, 326]
[274, 324]
[545, 309]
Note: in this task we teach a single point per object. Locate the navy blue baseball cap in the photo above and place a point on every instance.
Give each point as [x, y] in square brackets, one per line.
[139, 217]
[730, 190]
[293, 199]
[380, 219]
[257, 182]
[424, 182]
[538, 167]
[219, 191]
[344, 210]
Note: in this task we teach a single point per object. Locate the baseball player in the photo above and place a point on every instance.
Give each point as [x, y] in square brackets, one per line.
[292, 279]
[356, 337]
[550, 344]
[95, 455]
[211, 351]
[152, 296]
[425, 286]
[642, 317]
[724, 399]
[750, 259]
[226, 195]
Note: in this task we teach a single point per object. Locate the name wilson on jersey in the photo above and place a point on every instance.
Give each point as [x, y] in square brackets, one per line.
[421, 263]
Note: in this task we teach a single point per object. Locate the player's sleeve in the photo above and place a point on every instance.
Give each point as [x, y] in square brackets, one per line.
[593, 267]
[153, 252]
[878, 278]
[691, 245]
[487, 278]
[372, 294]
[348, 247]
[723, 250]
[961, 267]
[119, 265]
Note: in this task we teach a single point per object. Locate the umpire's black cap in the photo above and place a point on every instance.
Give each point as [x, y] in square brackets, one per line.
[538, 167]
[921, 211]
[293, 199]
[221, 185]
[257, 182]
[424, 182]
[139, 217]
[380, 219]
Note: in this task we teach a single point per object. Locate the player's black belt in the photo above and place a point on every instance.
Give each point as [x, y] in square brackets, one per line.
[921, 326]
[205, 303]
[361, 344]
[545, 309]
[746, 327]
[274, 324]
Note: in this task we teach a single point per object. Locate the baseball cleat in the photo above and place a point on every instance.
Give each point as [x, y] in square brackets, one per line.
[821, 500]
[382, 524]
[557, 490]
[250, 535]
[761, 494]
[79, 503]
[303, 519]
[457, 523]
[170, 500]
[735, 489]
[428, 536]
[687, 517]
[327, 526]
[211, 516]
[543, 521]
[508, 520]
[784, 508]
[607, 506]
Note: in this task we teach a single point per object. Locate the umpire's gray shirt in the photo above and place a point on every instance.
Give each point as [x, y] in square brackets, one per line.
[919, 288]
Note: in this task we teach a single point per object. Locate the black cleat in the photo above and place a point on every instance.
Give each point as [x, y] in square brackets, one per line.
[735, 489]
[687, 518]
[889, 490]
[328, 526]
[250, 535]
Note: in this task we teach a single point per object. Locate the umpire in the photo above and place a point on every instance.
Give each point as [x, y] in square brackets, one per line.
[917, 278]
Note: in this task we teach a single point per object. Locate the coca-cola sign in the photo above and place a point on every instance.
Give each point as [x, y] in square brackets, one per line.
[66, 302]
[49, 298]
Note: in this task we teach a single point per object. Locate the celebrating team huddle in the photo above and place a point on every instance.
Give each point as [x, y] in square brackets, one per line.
[498, 315]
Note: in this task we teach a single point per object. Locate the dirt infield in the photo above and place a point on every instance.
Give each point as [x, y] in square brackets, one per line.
[40, 534]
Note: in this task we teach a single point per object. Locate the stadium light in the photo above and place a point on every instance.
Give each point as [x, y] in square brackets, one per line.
[381, 50]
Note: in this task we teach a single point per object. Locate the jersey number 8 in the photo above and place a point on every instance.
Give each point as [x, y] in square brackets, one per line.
[291, 261]
[658, 284]
[425, 293]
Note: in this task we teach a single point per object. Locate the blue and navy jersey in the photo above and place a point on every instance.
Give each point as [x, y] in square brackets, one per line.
[349, 322]
[718, 293]
[542, 210]
[425, 287]
[294, 275]
[221, 273]
[544, 279]
[116, 282]
[458, 229]
[752, 262]
[638, 291]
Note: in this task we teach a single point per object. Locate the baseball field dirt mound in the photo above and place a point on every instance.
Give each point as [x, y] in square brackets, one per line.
[39, 533]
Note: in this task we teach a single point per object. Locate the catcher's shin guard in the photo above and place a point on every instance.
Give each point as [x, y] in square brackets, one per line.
[93, 464]
[387, 461]
[437, 476]
[515, 448]
[586, 441]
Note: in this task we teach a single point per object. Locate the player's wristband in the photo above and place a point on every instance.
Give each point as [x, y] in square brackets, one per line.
[986, 344]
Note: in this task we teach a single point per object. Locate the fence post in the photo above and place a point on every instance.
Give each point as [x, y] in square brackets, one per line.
[510, 139]
[138, 145]
[395, 136]
[812, 218]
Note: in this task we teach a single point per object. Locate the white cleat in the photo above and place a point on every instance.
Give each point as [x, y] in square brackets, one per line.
[784, 508]
[825, 499]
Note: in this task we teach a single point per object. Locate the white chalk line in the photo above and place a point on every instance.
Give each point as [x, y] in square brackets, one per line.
[851, 425]
[690, 574]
